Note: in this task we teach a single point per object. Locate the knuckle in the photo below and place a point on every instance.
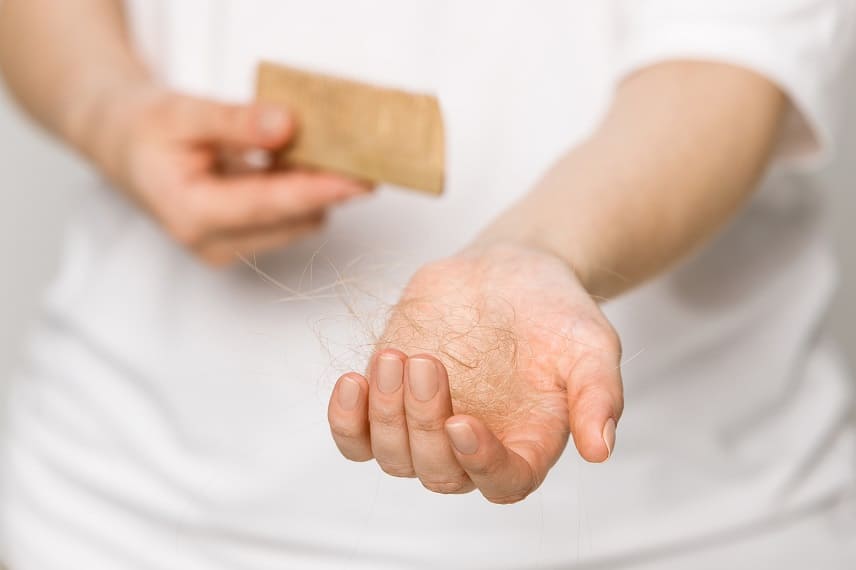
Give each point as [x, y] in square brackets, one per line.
[619, 400]
[598, 333]
[613, 340]
[453, 486]
[485, 469]
[425, 424]
[508, 499]
[360, 455]
[588, 399]
[390, 419]
[345, 430]
[398, 469]
[606, 338]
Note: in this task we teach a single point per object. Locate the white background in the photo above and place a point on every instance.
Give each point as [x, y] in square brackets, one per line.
[37, 181]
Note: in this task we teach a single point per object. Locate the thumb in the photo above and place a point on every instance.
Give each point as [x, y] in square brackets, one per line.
[253, 125]
[595, 403]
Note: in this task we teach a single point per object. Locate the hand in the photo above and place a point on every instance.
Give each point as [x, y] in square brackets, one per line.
[167, 152]
[488, 363]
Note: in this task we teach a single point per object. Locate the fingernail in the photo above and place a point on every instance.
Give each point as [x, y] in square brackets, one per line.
[390, 370]
[422, 376]
[272, 122]
[349, 393]
[463, 438]
[609, 436]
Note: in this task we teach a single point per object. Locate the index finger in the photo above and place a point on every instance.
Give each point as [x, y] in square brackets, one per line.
[217, 204]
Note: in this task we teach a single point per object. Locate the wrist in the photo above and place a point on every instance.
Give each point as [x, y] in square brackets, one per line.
[505, 236]
[97, 124]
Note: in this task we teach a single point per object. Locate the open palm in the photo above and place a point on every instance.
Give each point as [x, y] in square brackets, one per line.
[488, 363]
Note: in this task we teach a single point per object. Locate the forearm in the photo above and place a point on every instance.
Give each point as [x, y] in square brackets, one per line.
[682, 147]
[62, 61]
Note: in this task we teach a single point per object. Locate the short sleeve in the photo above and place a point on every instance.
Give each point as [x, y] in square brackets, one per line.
[801, 45]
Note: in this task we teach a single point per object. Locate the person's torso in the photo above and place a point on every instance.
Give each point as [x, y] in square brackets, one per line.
[189, 403]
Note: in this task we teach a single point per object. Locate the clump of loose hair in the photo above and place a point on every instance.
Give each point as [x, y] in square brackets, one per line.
[476, 339]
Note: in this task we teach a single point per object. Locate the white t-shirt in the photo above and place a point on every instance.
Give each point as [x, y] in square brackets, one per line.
[172, 416]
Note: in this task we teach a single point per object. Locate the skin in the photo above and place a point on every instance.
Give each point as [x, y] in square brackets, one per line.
[177, 156]
[494, 357]
[665, 170]
[509, 353]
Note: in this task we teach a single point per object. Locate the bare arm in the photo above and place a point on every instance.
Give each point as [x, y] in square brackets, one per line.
[495, 356]
[63, 60]
[71, 65]
[683, 145]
